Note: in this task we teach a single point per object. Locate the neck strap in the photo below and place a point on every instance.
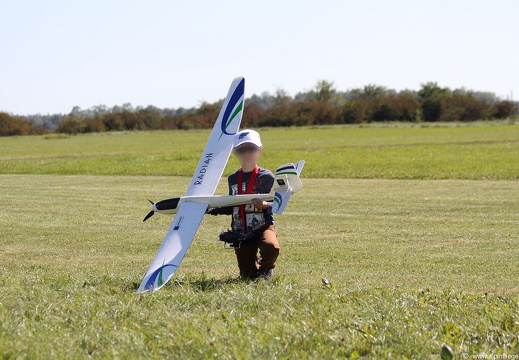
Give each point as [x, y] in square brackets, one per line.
[250, 185]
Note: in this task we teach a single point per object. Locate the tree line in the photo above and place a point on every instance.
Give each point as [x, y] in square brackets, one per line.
[319, 106]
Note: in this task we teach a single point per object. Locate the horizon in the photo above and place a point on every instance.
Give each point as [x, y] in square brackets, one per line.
[134, 107]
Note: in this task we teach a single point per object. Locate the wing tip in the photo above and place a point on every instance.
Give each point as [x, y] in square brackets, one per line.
[238, 81]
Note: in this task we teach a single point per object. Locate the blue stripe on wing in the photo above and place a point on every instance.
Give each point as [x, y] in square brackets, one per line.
[290, 167]
[150, 284]
[278, 199]
[236, 96]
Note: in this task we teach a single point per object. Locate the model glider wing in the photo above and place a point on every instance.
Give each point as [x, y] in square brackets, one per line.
[204, 182]
[175, 245]
[219, 146]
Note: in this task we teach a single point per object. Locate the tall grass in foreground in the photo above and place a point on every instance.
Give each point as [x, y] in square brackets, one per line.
[412, 265]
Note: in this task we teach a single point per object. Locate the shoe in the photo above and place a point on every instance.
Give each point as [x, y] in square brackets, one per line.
[265, 274]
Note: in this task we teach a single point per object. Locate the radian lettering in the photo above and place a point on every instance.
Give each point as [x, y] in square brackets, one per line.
[203, 169]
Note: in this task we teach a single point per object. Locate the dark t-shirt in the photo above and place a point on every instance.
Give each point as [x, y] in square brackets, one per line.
[262, 185]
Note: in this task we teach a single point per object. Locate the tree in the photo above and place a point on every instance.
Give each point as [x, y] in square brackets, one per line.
[355, 112]
[432, 89]
[75, 110]
[433, 99]
[151, 120]
[252, 115]
[369, 92]
[505, 109]
[324, 91]
[323, 104]
[127, 107]
[113, 122]
[281, 98]
[14, 125]
[72, 125]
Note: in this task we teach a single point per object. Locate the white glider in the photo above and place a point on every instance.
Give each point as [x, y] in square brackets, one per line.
[191, 208]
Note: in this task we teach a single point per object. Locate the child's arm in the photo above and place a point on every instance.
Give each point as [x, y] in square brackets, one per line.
[260, 204]
[267, 183]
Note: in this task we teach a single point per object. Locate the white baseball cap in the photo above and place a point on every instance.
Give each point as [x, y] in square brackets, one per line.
[247, 136]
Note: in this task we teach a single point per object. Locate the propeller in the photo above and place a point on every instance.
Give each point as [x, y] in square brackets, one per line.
[150, 214]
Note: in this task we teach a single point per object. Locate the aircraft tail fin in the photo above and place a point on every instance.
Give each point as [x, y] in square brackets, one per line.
[292, 172]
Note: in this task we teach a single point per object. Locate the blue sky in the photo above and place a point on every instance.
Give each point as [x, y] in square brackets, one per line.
[58, 54]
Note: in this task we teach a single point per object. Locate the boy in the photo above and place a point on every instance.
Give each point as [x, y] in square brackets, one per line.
[254, 219]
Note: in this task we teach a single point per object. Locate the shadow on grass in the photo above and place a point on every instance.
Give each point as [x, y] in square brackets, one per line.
[204, 283]
[201, 283]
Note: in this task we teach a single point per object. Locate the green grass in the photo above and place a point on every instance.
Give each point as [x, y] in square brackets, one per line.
[413, 265]
[414, 262]
[485, 151]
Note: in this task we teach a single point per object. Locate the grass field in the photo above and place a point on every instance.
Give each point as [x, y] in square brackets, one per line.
[413, 264]
[465, 152]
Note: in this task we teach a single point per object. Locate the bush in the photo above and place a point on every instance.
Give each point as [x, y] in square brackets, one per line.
[12, 126]
[93, 125]
[432, 108]
[319, 106]
[72, 125]
[252, 115]
[504, 110]
[355, 112]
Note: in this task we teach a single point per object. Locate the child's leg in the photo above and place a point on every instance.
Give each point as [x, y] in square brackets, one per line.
[247, 256]
[269, 248]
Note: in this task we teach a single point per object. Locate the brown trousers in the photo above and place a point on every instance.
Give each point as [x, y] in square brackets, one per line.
[247, 254]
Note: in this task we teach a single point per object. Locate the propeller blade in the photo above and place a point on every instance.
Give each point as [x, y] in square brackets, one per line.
[151, 202]
[150, 214]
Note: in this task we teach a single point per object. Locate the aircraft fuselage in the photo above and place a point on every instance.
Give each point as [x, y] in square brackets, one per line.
[170, 206]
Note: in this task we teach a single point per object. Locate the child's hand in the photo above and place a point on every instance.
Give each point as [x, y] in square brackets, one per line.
[212, 211]
[259, 204]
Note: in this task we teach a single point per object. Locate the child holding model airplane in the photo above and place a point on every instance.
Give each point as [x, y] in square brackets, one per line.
[249, 188]
[254, 219]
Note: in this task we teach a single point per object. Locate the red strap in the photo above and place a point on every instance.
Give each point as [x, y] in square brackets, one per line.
[250, 185]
